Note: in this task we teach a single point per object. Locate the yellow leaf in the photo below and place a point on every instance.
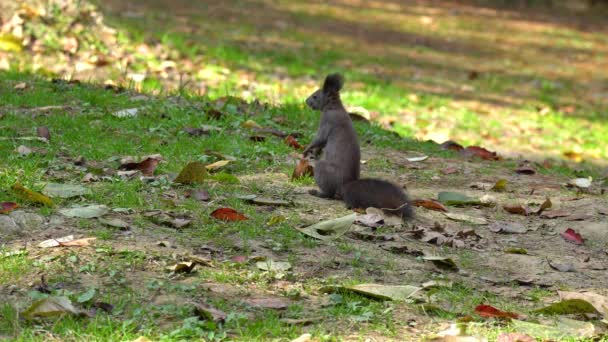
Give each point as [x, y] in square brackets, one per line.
[9, 42]
[217, 164]
[500, 185]
[31, 196]
[194, 172]
[251, 124]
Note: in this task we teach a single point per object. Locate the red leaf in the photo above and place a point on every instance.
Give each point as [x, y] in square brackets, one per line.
[479, 152]
[489, 311]
[146, 166]
[7, 207]
[228, 214]
[239, 259]
[291, 141]
[571, 235]
[430, 204]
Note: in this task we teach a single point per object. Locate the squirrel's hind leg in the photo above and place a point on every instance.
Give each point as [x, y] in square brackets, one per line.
[326, 177]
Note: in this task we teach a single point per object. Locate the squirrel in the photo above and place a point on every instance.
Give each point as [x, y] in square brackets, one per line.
[337, 174]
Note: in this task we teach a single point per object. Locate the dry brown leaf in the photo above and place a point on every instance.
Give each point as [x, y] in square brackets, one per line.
[302, 169]
[430, 204]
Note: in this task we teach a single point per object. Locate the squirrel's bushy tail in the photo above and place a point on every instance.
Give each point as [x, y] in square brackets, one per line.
[377, 193]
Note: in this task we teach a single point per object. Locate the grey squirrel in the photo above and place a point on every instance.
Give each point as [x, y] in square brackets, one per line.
[337, 174]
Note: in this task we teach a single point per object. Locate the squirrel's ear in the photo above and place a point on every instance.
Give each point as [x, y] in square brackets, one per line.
[333, 83]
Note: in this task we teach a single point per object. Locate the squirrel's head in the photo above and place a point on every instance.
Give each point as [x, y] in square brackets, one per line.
[329, 92]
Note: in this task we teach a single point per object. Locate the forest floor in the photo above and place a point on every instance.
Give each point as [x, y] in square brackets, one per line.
[223, 85]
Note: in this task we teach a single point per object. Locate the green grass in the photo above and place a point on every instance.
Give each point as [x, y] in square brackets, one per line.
[500, 111]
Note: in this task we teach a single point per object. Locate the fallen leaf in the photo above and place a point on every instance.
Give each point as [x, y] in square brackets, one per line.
[571, 235]
[480, 152]
[599, 302]
[489, 311]
[207, 312]
[274, 266]
[67, 241]
[370, 220]
[115, 222]
[275, 303]
[275, 220]
[194, 172]
[10, 42]
[65, 190]
[525, 170]
[31, 196]
[568, 307]
[217, 165]
[507, 227]
[561, 266]
[126, 113]
[466, 218]
[44, 133]
[199, 194]
[500, 185]
[516, 209]
[417, 159]
[228, 214]
[442, 262]
[581, 183]
[516, 250]
[51, 307]
[291, 141]
[303, 169]
[449, 170]
[7, 207]
[383, 292]
[146, 166]
[86, 296]
[251, 124]
[24, 150]
[178, 223]
[20, 86]
[578, 217]
[456, 198]
[556, 213]
[90, 211]
[182, 267]
[204, 130]
[430, 204]
[55, 242]
[241, 259]
[330, 229]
